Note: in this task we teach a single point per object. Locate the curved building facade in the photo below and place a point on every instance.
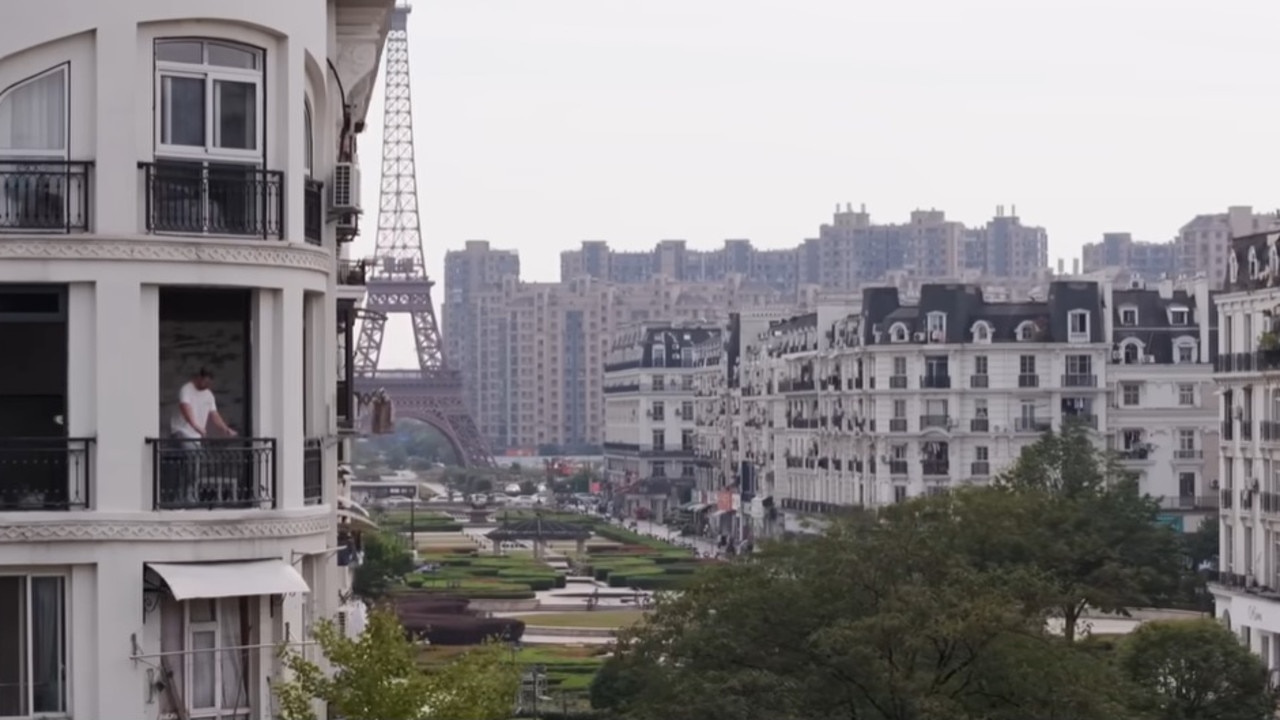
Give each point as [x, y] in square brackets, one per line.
[170, 237]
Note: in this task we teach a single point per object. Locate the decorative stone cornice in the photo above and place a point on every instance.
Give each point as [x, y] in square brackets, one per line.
[85, 528]
[270, 253]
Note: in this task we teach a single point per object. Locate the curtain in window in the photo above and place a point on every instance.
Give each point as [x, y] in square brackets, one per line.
[172, 629]
[235, 693]
[13, 646]
[33, 115]
[46, 644]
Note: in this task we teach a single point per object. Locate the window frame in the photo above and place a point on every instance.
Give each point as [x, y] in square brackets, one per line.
[1123, 310]
[308, 138]
[1086, 331]
[14, 154]
[64, 579]
[189, 630]
[1186, 391]
[210, 74]
[1124, 394]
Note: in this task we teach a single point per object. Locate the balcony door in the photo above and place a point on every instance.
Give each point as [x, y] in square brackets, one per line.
[33, 397]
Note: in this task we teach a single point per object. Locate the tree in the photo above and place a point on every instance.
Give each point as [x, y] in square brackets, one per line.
[385, 562]
[1071, 515]
[1195, 670]
[878, 619]
[377, 677]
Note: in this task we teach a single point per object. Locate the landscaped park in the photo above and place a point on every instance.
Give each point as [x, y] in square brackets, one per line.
[557, 587]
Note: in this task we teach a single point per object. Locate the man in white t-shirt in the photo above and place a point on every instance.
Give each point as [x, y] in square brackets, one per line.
[197, 409]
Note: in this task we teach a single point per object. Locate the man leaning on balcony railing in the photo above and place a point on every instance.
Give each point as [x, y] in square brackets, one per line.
[196, 410]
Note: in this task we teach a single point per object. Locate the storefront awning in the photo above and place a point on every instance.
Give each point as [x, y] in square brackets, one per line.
[188, 581]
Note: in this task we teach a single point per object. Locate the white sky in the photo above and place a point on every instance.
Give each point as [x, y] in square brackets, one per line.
[541, 123]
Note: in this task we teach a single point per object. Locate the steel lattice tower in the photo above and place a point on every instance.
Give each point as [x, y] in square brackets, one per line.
[398, 281]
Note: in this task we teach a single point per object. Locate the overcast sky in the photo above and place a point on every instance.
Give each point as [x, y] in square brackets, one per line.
[541, 123]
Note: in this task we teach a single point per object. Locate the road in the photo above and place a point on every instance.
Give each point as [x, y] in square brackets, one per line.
[672, 535]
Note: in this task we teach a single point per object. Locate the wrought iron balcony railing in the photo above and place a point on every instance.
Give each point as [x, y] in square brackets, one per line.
[45, 473]
[214, 199]
[353, 272]
[43, 195]
[221, 473]
[313, 472]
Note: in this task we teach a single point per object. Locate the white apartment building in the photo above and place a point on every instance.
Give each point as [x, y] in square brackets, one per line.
[649, 457]
[1247, 368]
[865, 408]
[165, 168]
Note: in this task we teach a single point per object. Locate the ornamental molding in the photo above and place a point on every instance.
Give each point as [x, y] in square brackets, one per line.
[270, 253]
[90, 530]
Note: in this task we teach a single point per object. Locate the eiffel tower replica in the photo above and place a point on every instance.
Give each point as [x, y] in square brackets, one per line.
[398, 282]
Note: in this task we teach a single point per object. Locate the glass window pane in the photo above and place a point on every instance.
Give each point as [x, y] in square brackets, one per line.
[234, 57]
[13, 655]
[237, 115]
[182, 111]
[47, 638]
[203, 611]
[33, 116]
[204, 664]
[183, 51]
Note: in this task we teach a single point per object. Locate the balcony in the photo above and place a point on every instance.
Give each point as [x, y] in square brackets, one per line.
[44, 196]
[1225, 498]
[1246, 429]
[354, 273]
[1139, 454]
[979, 381]
[1183, 454]
[197, 199]
[44, 473]
[897, 424]
[897, 382]
[313, 472]
[1028, 380]
[1035, 425]
[1079, 418]
[1269, 430]
[1259, 361]
[1190, 502]
[941, 422]
[936, 467]
[313, 213]
[980, 425]
[1228, 430]
[897, 467]
[622, 388]
[937, 381]
[1077, 380]
[981, 468]
[213, 474]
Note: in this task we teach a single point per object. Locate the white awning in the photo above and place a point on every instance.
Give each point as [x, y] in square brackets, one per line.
[355, 518]
[347, 502]
[230, 579]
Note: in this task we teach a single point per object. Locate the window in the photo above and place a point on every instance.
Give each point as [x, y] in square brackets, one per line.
[1026, 331]
[1184, 351]
[899, 408]
[1129, 316]
[899, 493]
[898, 333]
[686, 440]
[659, 383]
[659, 440]
[1186, 484]
[980, 408]
[1179, 316]
[208, 98]
[1130, 394]
[899, 366]
[658, 412]
[981, 332]
[980, 365]
[936, 326]
[1027, 365]
[1079, 365]
[1186, 394]
[658, 469]
[981, 454]
[1187, 440]
[33, 117]
[688, 470]
[686, 410]
[1078, 326]
[308, 138]
[33, 652]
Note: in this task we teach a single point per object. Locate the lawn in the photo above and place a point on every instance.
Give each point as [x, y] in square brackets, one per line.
[591, 619]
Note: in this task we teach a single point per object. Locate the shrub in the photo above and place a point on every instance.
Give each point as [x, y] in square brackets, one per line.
[420, 603]
[461, 629]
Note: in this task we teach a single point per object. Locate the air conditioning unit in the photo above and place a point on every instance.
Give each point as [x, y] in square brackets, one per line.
[345, 188]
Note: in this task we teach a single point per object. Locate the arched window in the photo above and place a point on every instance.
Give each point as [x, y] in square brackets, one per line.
[1026, 331]
[208, 98]
[1131, 351]
[33, 117]
[898, 333]
[308, 139]
[982, 332]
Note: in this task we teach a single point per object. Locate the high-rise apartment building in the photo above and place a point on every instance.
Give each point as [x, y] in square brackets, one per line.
[1140, 260]
[533, 354]
[1204, 244]
[672, 259]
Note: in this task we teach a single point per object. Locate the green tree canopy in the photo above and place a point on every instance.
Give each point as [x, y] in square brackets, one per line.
[385, 562]
[876, 620]
[1195, 670]
[377, 676]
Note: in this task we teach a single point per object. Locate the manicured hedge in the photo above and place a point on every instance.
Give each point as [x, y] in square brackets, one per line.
[441, 629]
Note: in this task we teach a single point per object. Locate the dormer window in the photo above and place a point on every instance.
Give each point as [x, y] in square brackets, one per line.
[898, 333]
[1253, 263]
[1131, 351]
[1129, 316]
[1233, 268]
[1026, 331]
[982, 332]
[1185, 350]
[1078, 325]
[1179, 315]
[936, 327]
